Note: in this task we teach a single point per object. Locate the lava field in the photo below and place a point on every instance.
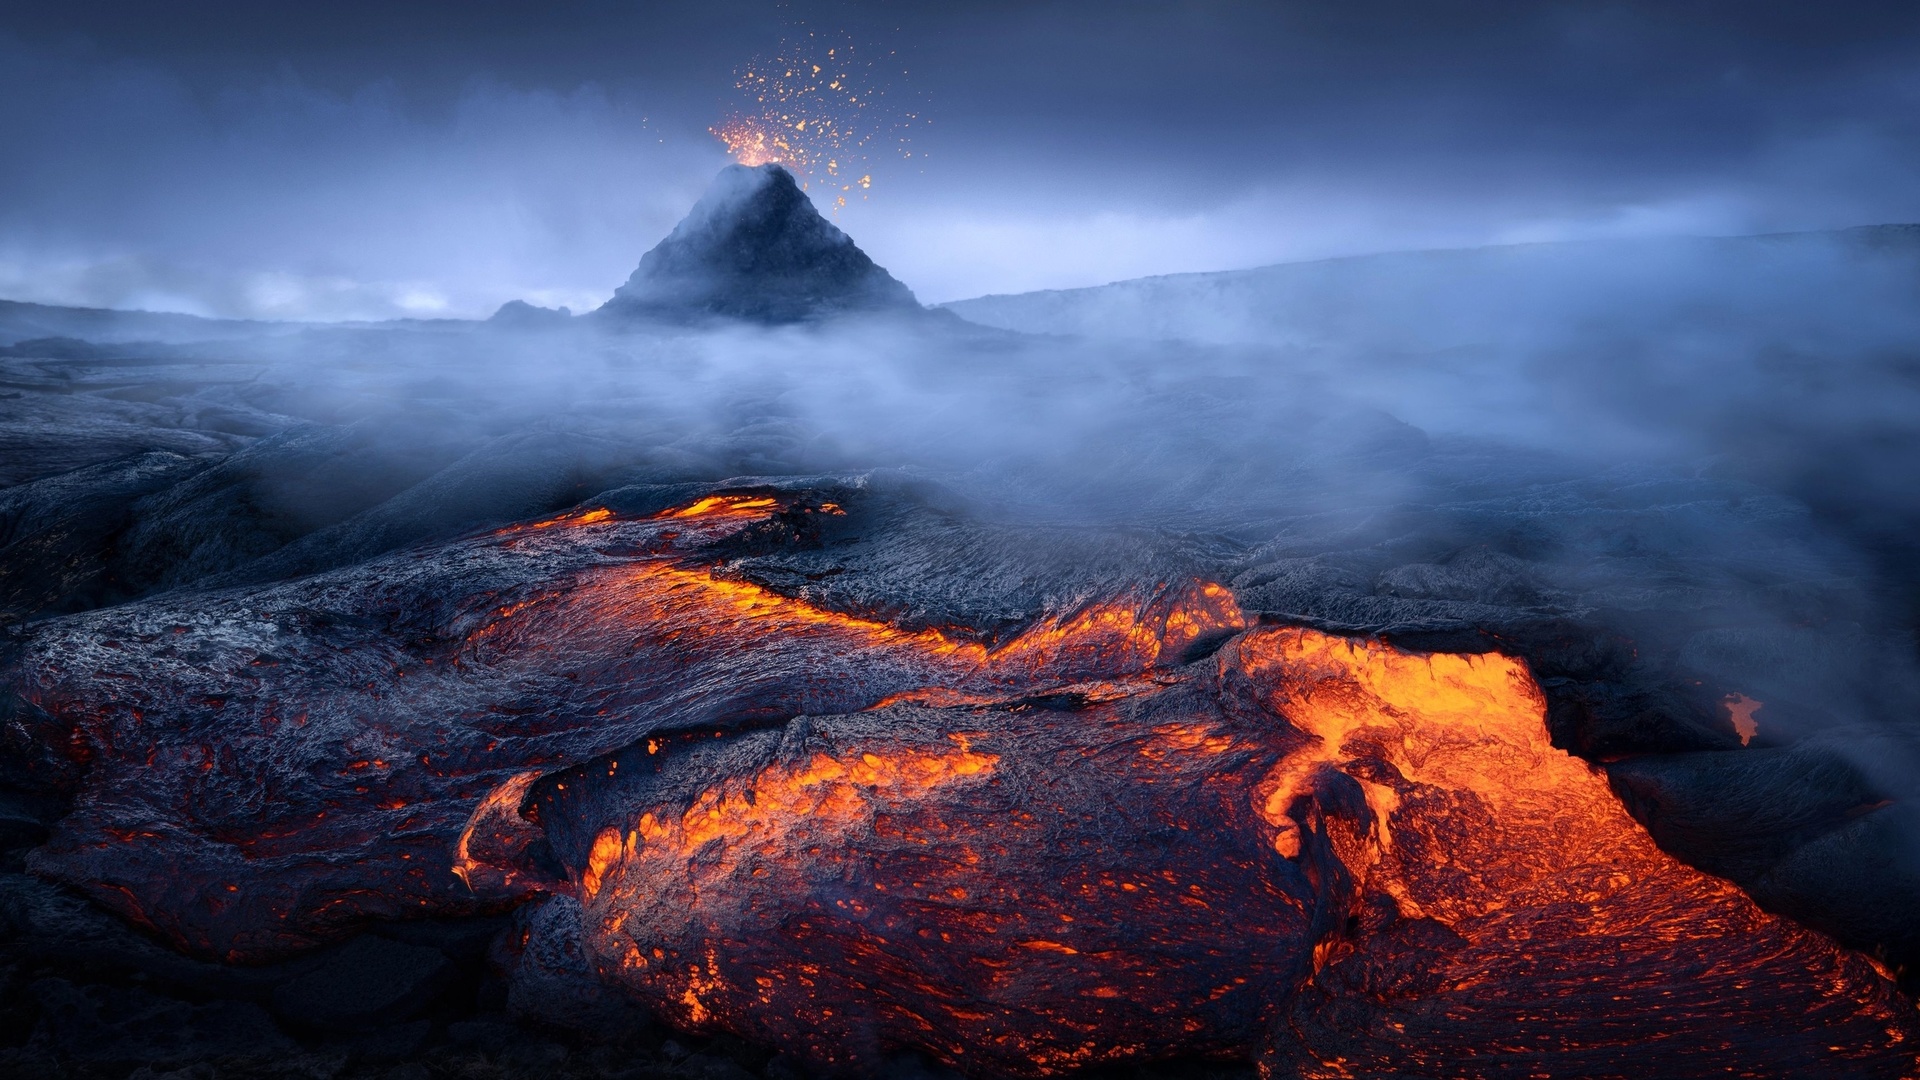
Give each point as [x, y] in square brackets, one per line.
[766, 676]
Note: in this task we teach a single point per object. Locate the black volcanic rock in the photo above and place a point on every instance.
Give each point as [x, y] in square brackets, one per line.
[754, 248]
[109, 1025]
[372, 981]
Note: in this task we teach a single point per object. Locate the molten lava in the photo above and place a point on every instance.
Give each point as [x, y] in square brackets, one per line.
[1511, 918]
[1139, 828]
[331, 770]
[1015, 891]
[1369, 841]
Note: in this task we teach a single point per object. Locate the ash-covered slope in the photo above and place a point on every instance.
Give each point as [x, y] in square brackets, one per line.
[754, 248]
[1423, 300]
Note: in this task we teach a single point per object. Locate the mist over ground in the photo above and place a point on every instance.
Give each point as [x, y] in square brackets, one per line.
[1760, 392]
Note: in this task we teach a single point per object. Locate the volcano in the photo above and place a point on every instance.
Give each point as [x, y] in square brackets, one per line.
[444, 712]
[755, 249]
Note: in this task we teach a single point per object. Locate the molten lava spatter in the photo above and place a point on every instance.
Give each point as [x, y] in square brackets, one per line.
[820, 106]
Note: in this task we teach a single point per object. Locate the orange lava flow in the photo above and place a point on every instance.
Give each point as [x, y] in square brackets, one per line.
[984, 895]
[1470, 726]
[571, 519]
[1076, 847]
[701, 605]
[1521, 855]
[716, 508]
[671, 604]
[502, 801]
[719, 506]
[679, 603]
[1129, 635]
[737, 813]
[1385, 843]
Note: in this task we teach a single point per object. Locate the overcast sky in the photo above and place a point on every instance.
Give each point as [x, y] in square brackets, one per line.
[358, 159]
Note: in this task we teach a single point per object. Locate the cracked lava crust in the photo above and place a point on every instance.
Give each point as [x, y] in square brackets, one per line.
[1142, 827]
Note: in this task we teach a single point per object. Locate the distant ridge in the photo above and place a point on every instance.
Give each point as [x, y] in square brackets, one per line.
[22, 321]
[1346, 297]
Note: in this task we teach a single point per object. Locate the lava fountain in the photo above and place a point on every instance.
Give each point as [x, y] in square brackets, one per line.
[822, 107]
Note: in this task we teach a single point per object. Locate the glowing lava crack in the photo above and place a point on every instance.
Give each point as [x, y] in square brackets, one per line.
[842, 838]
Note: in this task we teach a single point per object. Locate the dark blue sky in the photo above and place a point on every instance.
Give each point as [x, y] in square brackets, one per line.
[367, 159]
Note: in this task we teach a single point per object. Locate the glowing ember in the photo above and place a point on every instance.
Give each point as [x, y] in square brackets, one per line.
[820, 106]
[1741, 709]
